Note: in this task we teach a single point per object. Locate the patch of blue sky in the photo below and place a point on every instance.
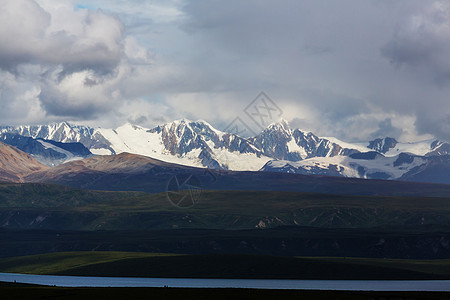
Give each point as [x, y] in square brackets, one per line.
[84, 6]
[157, 98]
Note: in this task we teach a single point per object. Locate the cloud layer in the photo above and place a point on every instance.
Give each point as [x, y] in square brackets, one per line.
[351, 69]
[72, 61]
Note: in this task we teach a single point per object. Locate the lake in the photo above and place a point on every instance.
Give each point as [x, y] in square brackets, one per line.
[362, 285]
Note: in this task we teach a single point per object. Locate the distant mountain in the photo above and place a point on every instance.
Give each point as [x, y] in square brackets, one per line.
[48, 152]
[279, 141]
[439, 148]
[183, 141]
[371, 165]
[391, 147]
[435, 169]
[368, 165]
[15, 164]
[383, 145]
[194, 143]
[198, 144]
[63, 132]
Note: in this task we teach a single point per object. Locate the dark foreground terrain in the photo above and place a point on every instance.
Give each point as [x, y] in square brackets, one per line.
[53, 229]
[407, 242]
[56, 207]
[18, 291]
[163, 265]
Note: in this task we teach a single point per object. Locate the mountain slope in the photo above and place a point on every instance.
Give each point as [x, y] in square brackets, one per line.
[368, 165]
[15, 164]
[65, 133]
[48, 152]
[371, 165]
[131, 172]
[124, 171]
[391, 147]
[190, 143]
[436, 169]
[279, 141]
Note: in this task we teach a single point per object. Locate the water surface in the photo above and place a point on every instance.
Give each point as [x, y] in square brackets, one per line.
[349, 285]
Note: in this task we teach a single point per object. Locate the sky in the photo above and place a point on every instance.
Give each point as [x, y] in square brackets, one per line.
[352, 69]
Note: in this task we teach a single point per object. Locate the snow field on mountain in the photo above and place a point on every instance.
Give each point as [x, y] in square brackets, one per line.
[349, 167]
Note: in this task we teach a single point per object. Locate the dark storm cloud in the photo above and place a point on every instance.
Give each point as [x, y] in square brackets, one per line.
[316, 50]
[310, 54]
[336, 107]
[331, 58]
[420, 46]
[438, 124]
[58, 103]
[422, 42]
[386, 129]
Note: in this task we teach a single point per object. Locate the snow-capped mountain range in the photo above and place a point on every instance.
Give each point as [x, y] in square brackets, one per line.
[278, 148]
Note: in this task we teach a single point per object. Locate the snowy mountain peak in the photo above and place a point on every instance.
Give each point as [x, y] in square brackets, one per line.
[204, 124]
[382, 145]
[281, 125]
[278, 142]
[198, 143]
[63, 132]
[391, 147]
[129, 126]
[439, 148]
[179, 122]
[65, 124]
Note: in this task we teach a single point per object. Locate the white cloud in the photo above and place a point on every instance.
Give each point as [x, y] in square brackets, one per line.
[75, 59]
[60, 36]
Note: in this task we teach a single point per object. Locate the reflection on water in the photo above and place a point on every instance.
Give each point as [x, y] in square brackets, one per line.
[367, 285]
